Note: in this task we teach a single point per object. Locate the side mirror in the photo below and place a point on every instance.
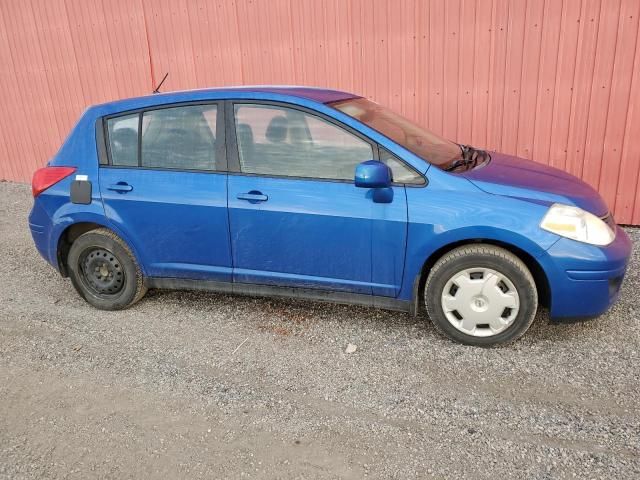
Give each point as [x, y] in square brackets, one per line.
[373, 174]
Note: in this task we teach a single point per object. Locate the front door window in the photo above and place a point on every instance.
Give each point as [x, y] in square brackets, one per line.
[283, 142]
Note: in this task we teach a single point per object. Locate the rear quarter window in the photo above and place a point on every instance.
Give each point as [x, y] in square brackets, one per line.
[123, 140]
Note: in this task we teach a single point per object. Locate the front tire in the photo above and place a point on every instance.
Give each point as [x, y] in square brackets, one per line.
[104, 271]
[481, 295]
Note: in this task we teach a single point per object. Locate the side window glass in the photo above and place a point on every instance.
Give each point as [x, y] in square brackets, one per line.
[402, 173]
[180, 137]
[280, 141]
[123, 140]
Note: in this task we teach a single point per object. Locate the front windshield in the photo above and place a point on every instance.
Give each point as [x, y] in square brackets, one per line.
[431, 147]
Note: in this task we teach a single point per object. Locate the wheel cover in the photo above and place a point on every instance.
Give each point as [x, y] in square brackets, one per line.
[480, 302]
[102, 272]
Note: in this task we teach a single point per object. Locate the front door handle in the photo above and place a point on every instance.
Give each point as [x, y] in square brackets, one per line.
[253, 196]
[120, 187]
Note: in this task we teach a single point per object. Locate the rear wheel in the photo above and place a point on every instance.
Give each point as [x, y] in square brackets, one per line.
[481, 295]
[104, 271]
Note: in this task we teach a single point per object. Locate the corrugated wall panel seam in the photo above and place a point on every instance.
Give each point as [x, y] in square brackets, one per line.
[522, 66]
[556, 81]
[152, 73]
[12, 95]
[551, 34]
[606, 119]
[25, 153]
[537, 88]
[568, 46]
[10, 167]
[610, 129]
[583, 82]
[620, 177]
[111, 50]
[46, 86]
[75, 55]
[591, 77]
[631, 148]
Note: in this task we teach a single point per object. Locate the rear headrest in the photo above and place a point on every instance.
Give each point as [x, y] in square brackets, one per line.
[245, 134]
[124, 137]
[277, 129]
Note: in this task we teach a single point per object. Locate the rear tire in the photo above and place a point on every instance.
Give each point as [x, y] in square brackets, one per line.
[104, 271]
[481, 295]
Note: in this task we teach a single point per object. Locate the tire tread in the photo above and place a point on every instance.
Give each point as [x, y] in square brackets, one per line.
[141, 288]
[482, 249]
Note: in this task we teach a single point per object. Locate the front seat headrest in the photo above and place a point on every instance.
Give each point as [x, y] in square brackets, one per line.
[277, 129]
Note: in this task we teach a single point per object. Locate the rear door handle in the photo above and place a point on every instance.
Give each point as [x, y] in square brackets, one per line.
[120, 187]
[253, 196]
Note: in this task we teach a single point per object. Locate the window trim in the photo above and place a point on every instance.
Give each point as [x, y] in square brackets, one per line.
[104, 146]
[425, 180]
[227, 149]
[233, 156]
[107, 143]
[103, 158]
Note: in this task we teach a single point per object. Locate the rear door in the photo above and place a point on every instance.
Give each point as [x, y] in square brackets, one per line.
[296, 217]
[165, 188]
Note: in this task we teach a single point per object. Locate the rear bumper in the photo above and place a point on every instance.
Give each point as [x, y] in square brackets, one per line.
[585, 280]
[41, 227]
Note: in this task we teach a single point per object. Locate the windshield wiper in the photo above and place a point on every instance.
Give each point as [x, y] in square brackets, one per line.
[470, 157]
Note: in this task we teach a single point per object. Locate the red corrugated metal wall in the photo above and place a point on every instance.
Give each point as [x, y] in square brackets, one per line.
[556, 81]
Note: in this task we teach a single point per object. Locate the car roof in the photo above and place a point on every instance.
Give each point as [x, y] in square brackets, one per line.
[320, 95]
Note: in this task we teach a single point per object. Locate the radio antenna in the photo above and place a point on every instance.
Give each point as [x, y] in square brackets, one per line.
[157, 90]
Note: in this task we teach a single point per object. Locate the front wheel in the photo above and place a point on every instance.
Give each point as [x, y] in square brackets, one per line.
[481, 295]
[104, 271]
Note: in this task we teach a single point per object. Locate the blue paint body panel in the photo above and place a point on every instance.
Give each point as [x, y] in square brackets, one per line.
[179, 217]
[513, 176]
[317, 234]
[329, 235]
[372, 174]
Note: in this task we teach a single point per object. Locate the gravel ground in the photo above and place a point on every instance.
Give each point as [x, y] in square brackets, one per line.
[203, 385]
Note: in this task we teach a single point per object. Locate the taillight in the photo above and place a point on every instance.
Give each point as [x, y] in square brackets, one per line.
[48, 176]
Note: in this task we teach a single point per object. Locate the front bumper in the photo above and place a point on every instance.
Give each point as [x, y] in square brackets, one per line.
[585, 280]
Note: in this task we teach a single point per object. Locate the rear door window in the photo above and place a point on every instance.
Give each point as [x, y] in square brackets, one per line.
[181, 138]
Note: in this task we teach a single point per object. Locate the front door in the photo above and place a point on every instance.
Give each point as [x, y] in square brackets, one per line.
[295, 215]
[168, 194]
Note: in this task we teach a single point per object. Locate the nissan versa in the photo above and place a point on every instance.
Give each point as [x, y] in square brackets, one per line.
[324, 195]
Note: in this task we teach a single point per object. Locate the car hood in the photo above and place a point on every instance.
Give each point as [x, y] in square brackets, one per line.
[517, 177]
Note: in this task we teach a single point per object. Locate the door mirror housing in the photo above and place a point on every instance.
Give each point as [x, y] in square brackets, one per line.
[373, 174]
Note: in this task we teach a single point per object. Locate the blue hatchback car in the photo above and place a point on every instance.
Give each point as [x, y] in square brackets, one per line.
[325, 195]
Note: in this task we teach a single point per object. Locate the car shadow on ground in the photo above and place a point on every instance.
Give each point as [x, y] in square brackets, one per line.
[287, 316]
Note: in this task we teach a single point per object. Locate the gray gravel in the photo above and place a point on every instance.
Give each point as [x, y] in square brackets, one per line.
[156, 391]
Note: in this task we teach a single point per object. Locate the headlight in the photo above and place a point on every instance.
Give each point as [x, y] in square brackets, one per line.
[575, 223]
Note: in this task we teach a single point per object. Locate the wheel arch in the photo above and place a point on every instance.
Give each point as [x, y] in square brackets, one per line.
[538, 273]
[72, 231]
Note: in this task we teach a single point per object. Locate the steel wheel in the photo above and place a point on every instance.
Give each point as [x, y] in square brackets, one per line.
[480, 302]
[102, 272]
